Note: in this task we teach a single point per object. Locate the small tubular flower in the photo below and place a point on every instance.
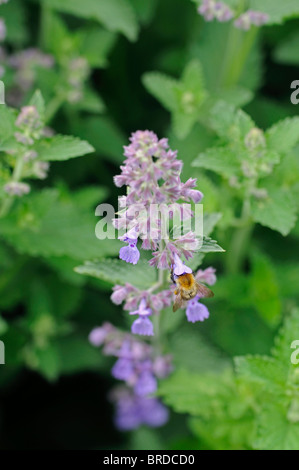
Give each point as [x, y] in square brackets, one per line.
[196, 311]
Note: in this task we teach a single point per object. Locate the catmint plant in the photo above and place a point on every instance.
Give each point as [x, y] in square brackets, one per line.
[26, 152]
[22, 158]
[151, 172]
[81, 309]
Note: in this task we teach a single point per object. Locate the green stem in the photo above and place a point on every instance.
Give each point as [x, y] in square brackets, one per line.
[45, 25]
[238, 47]
[53, 107]
[158, 340]
[16, 177]
[45, 17]
[18, 170]
[244, 42]
[239, 241]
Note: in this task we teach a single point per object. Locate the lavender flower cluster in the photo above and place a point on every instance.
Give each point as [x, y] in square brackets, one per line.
[210, 10]
[151, 173]
[139, 367]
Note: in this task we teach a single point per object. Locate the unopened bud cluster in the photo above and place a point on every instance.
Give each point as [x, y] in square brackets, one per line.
[220, 11]
[23, 159]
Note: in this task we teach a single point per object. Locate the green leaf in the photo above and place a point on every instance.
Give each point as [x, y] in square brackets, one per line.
[188, 392]
[275, 431]
[47, 362]
[76, 355]
[237, 96]
[288, 333]
[287, 50]
[96, 45]
[37, 100]
[278, 11]
[263, 370]
[7, 122]
[90, 196]
[210, 221]
[264, 290]
[220, 160]
[187, 344]
[210, 47]
[183, 98]
[209, 246]
[115, 271]
[14, 15]
[197, 141]
[91, 102]
[223, 432]
[229, 122]
[92, 42]
[45, 225]
[283, 136]
[193, 78]
[237, 283]
[104, 135]
[145, 10]
[277, 380]
[162, 87]
[278, 211]
[62, 147]
[116, 15]
[146, 439]
[3, 326]
[182, 124]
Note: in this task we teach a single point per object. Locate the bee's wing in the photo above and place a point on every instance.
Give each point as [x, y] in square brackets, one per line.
[204, 291]
[178, 301]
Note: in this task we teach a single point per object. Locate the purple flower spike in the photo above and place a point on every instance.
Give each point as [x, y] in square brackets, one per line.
[196, 311]
[123, 369]
[179, 267]
[145, 384]
[143, 326]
